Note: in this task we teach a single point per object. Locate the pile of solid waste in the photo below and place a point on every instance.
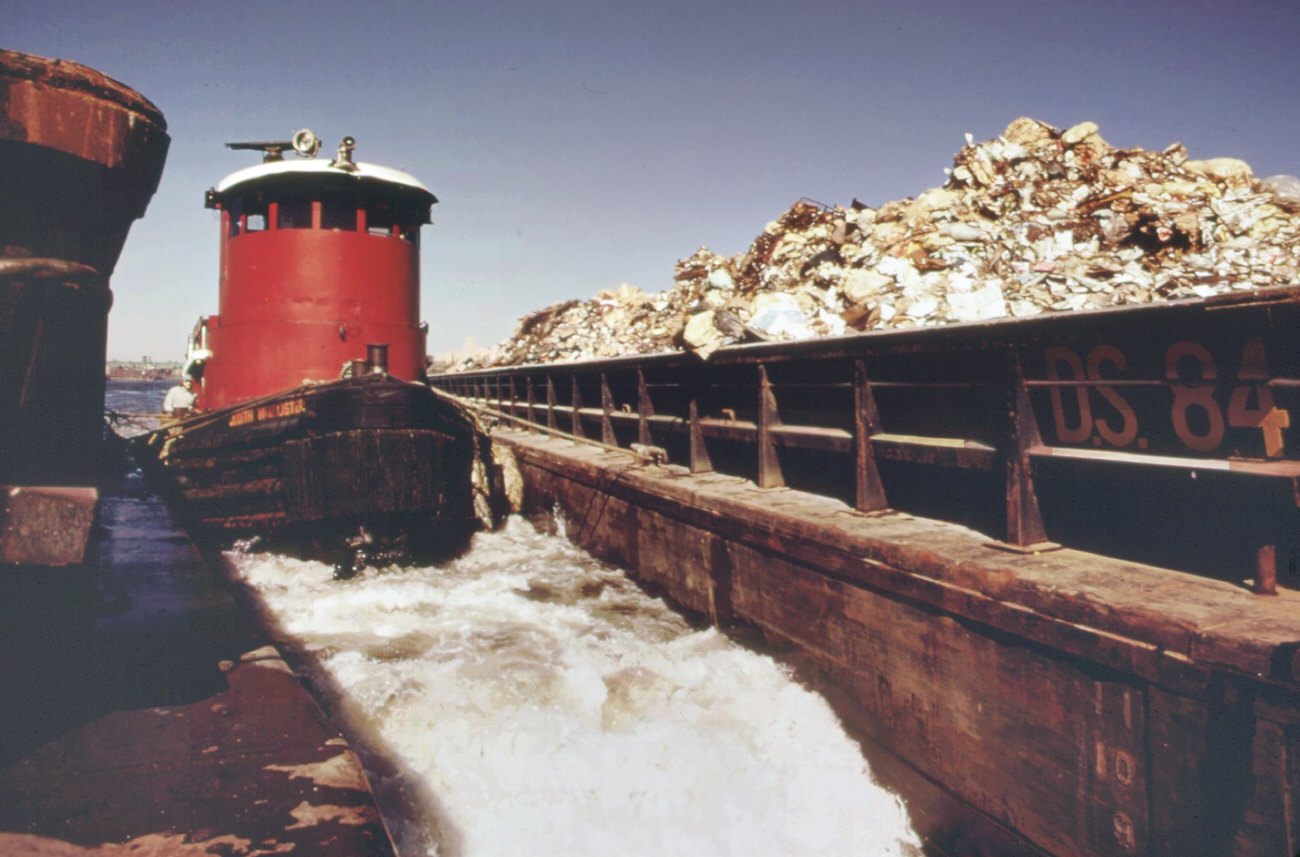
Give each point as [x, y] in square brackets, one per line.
[1037, 220]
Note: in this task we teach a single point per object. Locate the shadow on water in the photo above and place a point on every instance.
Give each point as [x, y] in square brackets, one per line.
[141, 623]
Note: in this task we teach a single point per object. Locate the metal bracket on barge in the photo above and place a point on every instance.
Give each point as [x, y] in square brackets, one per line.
[1127, 694]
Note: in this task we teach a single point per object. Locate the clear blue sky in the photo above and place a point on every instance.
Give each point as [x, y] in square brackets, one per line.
[578, 145]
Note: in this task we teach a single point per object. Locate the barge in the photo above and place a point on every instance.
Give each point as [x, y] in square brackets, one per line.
[311, 423]
[80, 158]
[1045, 568]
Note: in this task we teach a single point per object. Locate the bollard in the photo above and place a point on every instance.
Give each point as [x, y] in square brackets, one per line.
[1266, 570]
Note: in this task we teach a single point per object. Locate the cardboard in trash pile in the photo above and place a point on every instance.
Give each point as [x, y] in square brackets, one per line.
[1037, 220]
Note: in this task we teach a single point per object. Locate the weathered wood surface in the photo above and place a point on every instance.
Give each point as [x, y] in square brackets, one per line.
[1086, 705]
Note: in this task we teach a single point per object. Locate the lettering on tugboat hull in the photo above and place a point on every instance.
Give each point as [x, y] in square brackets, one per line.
[287, 408]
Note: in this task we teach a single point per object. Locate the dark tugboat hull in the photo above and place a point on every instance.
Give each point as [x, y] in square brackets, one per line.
[348, 470]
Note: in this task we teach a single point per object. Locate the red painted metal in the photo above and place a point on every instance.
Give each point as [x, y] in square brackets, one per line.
[302, 304]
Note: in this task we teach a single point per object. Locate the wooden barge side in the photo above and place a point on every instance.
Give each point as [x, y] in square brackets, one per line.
[1059, 703]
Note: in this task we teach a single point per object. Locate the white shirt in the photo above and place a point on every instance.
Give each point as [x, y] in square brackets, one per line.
[178, 397]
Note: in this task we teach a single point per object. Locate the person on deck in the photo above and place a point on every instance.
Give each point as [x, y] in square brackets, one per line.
[181, 396]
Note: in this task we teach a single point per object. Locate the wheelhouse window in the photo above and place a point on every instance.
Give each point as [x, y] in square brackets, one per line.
[338, 211]
[409, 218]
[294, 213]
[247, 214]
[380, 218]
[255, 214]
[236, 212]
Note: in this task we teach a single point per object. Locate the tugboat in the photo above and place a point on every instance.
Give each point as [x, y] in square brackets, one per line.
[313, 426]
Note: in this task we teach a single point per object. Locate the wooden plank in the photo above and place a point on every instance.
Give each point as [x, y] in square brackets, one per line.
[586, 413]
[242, 456]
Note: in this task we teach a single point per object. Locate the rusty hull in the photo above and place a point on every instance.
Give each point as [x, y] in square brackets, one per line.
[1059, 703]
[80, 158]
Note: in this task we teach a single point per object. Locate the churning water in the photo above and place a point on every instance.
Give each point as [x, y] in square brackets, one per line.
[526, 699]
[531, 700]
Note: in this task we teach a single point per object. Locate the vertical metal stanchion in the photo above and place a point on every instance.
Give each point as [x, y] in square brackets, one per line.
[769, 462]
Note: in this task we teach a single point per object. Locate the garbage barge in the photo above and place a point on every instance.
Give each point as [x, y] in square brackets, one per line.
[80, 157]
[1045, 568]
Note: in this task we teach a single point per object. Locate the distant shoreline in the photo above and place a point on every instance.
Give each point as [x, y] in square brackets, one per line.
[143, 377]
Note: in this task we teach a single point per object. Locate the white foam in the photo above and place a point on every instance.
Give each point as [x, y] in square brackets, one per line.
[539, 703]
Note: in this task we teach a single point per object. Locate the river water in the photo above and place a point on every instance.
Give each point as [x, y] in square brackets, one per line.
[527, 699]
[133, 406]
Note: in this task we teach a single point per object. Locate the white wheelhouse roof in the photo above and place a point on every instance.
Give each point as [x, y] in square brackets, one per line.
[363, 171]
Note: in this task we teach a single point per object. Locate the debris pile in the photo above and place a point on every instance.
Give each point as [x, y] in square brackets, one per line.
[1037, 220]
